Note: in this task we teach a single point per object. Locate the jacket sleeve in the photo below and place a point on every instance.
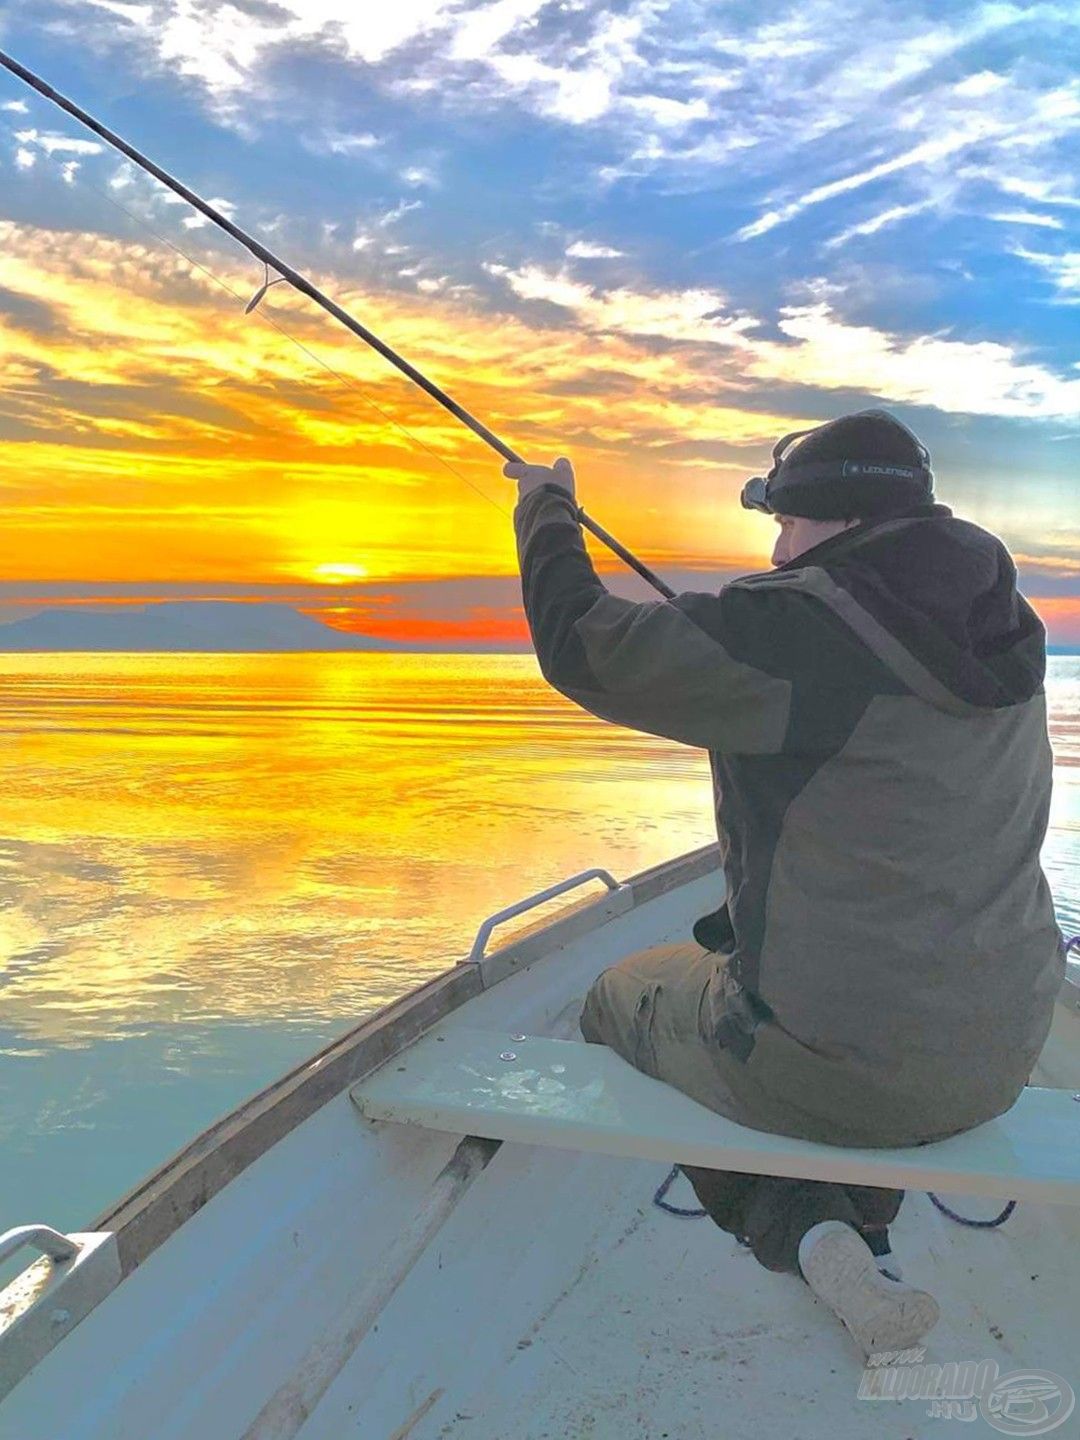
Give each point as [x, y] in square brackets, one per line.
[663, 667]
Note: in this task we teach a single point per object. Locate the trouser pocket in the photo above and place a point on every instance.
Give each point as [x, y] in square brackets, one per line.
[733, 1015]
[645, 1028]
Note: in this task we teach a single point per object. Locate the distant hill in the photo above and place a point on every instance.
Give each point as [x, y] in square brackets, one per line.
[183, 625]
[206, 625]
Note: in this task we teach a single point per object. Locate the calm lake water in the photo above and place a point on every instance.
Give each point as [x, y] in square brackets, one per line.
[211, 865]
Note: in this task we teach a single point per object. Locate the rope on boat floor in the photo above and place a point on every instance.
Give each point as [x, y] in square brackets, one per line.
[658, 1199]
[975, 1224]
[683, 1214]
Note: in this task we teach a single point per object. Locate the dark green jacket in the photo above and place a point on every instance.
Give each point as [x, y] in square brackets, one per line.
[876, 720]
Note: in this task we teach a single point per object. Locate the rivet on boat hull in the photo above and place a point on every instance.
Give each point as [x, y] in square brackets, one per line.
[508, 1055]
[519, 1037]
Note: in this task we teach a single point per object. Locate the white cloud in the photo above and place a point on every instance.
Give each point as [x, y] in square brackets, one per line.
[596, 70]
[372, 32]
[695, 315]
[1027, 217]
[343, 142]
[973, 378]
[24, 158]
[680, 88]
[892, 216]
[940, 148]
[478, 32]
[981, 83]
[588, 250]
[822, 350]
[402, 208]
[533, 283]
[576, 96]
[198, 220]
[218, 47]
[667, 113]
[222, 46]
[1063, 270]
[54, 144]
[690, 94]
[783, 41]
[16, 107]
[1025, 120]
[1042, 190]
[133, 14]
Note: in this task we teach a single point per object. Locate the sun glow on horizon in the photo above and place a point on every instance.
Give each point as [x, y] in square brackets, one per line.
[339, 573]
[197, 449]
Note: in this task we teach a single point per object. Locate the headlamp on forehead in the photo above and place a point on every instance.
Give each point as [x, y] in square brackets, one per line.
[755, 493]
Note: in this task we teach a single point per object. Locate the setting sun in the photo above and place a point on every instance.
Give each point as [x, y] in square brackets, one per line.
[338, 574]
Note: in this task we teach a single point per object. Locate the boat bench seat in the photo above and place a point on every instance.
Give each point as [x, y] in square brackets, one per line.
[571, 1095]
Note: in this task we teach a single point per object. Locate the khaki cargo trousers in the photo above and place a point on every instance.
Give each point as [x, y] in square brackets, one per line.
[656, 1010]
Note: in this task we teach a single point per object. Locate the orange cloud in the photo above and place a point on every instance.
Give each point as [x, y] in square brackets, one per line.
[1061, 616]
[155, 433]
[487, 628]
[159, 433]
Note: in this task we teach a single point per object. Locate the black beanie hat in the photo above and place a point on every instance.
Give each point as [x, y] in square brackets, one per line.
[867, 465]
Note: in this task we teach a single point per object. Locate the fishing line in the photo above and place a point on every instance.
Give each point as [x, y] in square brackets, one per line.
[301, 283]
[265, 316]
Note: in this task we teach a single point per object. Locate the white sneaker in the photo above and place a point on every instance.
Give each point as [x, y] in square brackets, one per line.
[882, 1314]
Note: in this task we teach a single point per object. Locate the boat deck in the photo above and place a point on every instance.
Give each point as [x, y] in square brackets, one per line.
[556, 1301]
[591, 1314]
[657, 1326]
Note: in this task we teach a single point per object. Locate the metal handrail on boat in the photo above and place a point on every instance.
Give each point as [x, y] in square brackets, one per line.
[476, 954]
[42, 1237]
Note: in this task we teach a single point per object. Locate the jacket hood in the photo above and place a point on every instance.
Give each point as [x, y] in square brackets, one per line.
[947, 590]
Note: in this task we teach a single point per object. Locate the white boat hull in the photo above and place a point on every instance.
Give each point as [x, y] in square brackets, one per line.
[554, 1300]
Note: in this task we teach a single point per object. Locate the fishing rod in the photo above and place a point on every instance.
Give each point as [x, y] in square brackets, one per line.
[305, 287]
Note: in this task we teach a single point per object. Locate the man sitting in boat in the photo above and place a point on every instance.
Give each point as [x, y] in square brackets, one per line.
[884, 970]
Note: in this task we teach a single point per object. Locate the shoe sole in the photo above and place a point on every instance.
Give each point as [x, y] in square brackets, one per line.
[881, 1314]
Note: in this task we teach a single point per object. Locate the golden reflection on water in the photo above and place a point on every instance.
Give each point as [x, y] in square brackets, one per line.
[194, 838]
[210, 865]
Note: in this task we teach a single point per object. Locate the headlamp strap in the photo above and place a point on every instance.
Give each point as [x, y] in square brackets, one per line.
[852, 469]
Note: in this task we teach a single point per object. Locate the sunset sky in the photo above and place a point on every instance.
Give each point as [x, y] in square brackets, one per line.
[652, 236]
